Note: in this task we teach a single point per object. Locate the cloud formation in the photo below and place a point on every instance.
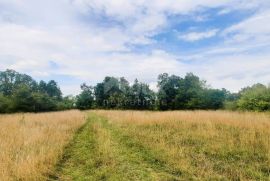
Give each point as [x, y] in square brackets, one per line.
[195, 36]
[77, 41]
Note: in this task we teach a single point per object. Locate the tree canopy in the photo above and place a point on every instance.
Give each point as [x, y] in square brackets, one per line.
[21, 93]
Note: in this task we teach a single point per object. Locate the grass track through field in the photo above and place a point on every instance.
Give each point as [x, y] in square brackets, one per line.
[101, 151]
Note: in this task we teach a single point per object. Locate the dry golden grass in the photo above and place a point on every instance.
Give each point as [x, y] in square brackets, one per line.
[30, 144]
[204, 145]
[242, 119]
[143, 145]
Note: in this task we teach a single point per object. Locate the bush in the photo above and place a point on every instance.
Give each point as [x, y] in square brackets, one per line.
[255, 98]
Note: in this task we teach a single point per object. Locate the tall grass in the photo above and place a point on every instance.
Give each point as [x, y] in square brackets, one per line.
[30, 144]
[203, 145]
[143, 145]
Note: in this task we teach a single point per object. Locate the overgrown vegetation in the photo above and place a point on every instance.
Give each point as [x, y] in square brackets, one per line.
[135, 145]
[179, 145]
[21, 93]
[31, 144]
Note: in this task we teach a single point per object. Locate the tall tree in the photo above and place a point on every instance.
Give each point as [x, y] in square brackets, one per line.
[99, 95]
[53, 90]
[11, 80]
[168, 89]
[190, 92]
[142, 97]
[85, 99]
[109, 93]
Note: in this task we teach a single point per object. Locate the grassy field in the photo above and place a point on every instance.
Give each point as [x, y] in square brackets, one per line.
[199, 145]
[31, 144]
[135, 145]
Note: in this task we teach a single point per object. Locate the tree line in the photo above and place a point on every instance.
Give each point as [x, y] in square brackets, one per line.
[21, 93]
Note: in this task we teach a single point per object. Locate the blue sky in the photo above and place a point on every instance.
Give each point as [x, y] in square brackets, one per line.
[226, 42]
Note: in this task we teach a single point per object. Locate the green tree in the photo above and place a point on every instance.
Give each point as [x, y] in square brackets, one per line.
[190, 92]
[213, 99]
[23, 99]
[124, 96]
[53, 90]
[142, 97]
[20, 92]
[99, 95]
[6, 104]
[10, 80]
[42, 102]
[7, 81]
[168, 90]
[85, 99]
[111, 92]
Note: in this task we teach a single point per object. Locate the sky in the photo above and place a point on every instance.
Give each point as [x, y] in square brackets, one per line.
[226, 42]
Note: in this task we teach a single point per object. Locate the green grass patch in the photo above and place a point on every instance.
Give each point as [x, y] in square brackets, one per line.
[99, 151]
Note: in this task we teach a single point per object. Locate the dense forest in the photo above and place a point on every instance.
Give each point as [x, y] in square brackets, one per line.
[21, 93]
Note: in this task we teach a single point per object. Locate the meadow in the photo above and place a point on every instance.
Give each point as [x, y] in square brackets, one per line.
[178, 145]
[31, 144]
[135, 145]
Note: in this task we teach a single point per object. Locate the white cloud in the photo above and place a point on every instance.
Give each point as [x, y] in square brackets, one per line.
[147, 17]
[255, 29]
[196, 36]
[237, 71]
[33, 33]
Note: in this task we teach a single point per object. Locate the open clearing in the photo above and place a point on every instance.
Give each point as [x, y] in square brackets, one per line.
[200, 145]
[138, 145]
